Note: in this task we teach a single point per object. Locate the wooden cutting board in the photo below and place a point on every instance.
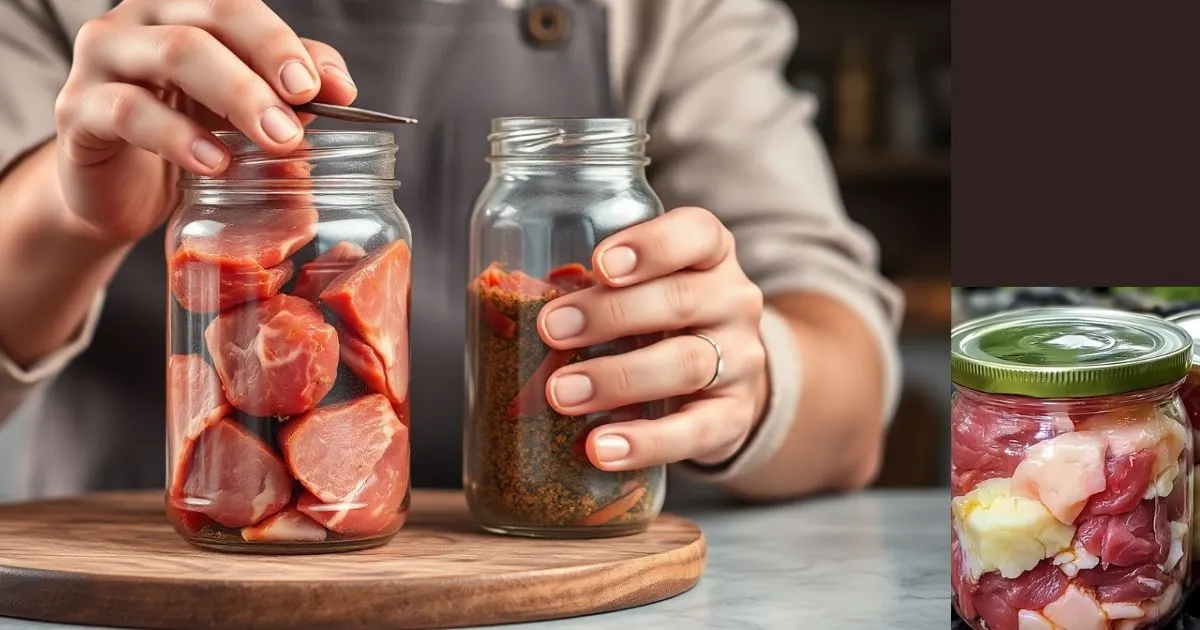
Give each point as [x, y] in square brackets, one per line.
[113, 560]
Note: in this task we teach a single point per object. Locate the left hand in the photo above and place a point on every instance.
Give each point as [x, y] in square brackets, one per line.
[676, 273]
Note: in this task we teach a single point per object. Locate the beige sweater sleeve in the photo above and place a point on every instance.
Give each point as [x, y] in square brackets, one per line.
[729, 134]
[35, 55]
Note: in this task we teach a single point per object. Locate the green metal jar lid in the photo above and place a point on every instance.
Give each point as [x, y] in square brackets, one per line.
[1190, 322]
[1068, 352]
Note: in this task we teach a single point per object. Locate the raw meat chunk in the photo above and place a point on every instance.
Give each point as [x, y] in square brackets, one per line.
[353, 458]
[234, 263]
[361, 358]
[288, 525]
[194, 402]
[371, 299]
[202, 287]
[1137, 537]
[316, 275]
[501, 324]
[1134, 428]
[1077, 610]
[1126, 478]
[1062, 473]
[277, 357]
[516, 282]
[998, 599]
[233, 477]
[987, 443]
[1125, 584]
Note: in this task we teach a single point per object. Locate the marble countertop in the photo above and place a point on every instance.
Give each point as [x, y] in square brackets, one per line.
[877, 559]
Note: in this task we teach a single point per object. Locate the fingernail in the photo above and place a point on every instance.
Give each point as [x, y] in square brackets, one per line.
[564, 323]
[279, 126]
[618, 262]
[296, 78]
[572, 389]
[342, 75]
[207, 153]
[611, 448]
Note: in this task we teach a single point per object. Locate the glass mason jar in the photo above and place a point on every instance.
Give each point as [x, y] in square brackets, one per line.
[558, 188]
[287, 367]
[1071, 470]
[1190, 393]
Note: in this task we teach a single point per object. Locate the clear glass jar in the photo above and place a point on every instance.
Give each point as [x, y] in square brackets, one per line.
[1190, 394]
[558, 188]
[1071, 470]
[288, 361]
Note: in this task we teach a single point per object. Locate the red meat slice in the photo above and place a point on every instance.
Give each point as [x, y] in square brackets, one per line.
[375, 508]
[189, 522]
[570, 277]
[239, 263]
[317, 274]
[364, 362]
[372, 300]
[194, 397]
[353, 458]
[233, 477]
[987, 442]
[288, 525]
[531, 400]
[998, 600]
[1126, 479]
[205, 288]
[1125, 584]
[277, 357]
[1125, 540]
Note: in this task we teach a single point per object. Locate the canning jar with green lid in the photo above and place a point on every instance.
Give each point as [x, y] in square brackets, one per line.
[1071, 469]
[1189, 393]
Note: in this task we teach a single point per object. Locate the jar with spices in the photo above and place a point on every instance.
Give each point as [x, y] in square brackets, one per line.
[287, 367]
[558, 188]
[1071, 470]
[1190, 394]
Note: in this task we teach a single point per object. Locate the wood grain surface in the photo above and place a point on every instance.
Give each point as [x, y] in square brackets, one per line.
[113, 559]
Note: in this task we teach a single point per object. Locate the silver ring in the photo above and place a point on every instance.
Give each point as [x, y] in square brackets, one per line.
[720, 361]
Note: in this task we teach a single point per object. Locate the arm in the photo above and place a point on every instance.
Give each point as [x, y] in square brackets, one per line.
[51, 274]
[728, 133]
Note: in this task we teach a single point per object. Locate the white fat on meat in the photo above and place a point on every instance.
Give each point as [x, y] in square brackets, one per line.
[1075, 559]
[1154, 609]
[1122, 610]
[1163, 484]
[1179, 532]
[1077, 610]
[1033, 620]
[1063, 473]
[1131, 429]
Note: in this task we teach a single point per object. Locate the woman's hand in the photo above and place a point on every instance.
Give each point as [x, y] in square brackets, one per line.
[676, 274]
[152, 78]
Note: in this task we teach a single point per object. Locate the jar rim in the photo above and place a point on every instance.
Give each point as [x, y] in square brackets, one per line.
[325, 158]
[1068, 352]
[568, 139]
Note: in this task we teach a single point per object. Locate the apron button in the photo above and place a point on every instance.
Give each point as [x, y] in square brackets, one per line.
[547, 23]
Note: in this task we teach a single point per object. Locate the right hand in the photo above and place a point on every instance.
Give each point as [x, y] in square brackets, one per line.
[152, 78]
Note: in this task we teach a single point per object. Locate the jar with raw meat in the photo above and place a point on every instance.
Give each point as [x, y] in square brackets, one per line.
[1071, 470]
[558, 188]
[287, 367]
[1190, 393]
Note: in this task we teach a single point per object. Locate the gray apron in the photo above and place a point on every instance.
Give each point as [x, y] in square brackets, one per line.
[453, 64]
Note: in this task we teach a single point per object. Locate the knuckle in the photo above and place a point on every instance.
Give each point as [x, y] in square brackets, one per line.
[278, 39]
[681, 296]
[181, 44]
[122, 109]
[621, 379]
[222, 10]
[752, 299]
[704, 435]
[91, 34]
[65, 107]
[615, 312]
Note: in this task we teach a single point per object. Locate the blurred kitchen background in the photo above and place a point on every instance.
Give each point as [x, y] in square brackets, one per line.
[879, 71]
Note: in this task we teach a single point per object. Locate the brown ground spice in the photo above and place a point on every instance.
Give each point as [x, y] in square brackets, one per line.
[533, 470]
